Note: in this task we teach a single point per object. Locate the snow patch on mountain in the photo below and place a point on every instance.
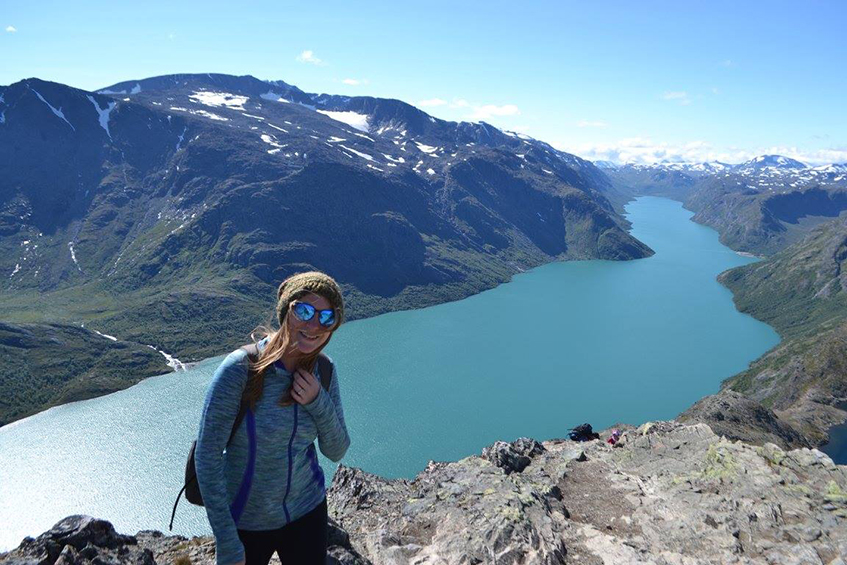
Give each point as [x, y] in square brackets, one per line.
[273, 97]
[426, 148]
[107, 336]
[219, 99]
[354, 119]
[359, 153]
[516, 134]
[103, 114]
[270, 140]
[54, 110]
[203, 113]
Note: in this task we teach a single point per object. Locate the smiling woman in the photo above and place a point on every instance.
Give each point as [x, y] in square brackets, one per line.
[257, 467]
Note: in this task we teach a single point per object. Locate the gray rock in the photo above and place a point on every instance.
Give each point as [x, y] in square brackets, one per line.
[513, 457]
[670, 494]
[504, 456]
[737, 417]
[77, 540]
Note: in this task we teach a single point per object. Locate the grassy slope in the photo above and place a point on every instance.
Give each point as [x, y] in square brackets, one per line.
[48, 364]
[802, 292]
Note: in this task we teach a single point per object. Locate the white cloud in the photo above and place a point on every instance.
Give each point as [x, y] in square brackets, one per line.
[716, 90]
[678, 96]
[477, 111]
[308, 56]
[354, 81]
[432, 102]
[645, 151]
[488, 111]
[11, 29]
[590, 124]
[727, 63]
[172, 36]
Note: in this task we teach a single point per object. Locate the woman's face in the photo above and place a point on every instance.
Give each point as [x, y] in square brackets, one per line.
[310, 335]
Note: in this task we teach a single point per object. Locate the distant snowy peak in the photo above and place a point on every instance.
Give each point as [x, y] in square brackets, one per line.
[763, 164]
[774, 173]
[705, 168]
[835, 168]
[712, 167]
[608, 165]
[771, 162]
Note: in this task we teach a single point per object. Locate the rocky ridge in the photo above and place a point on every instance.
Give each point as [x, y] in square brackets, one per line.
[668, 493]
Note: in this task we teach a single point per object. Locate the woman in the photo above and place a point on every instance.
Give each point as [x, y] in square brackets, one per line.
[284, 509]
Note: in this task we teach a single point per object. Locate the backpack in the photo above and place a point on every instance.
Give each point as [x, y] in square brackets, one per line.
[191, 487]
[583, 432]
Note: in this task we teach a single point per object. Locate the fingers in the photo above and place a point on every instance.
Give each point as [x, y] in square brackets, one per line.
[304, 387]
[305, 378]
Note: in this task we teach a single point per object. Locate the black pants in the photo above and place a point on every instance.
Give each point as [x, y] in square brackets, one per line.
[302, 542]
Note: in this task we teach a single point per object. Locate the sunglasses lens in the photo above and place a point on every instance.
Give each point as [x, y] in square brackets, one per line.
[304, 311]
[327, 317]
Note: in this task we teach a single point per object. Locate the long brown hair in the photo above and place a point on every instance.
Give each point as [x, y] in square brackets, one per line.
[278, 344]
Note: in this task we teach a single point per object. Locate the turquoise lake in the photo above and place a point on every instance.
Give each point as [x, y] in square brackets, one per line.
[566, 343]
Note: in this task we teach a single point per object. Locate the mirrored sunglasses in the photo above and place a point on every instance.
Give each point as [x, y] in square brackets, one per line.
[305, 312]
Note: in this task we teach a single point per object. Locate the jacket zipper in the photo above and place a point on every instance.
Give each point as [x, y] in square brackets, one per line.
[290, 466]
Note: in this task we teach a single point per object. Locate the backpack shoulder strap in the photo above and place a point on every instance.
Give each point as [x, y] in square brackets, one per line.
[253, 355]
[252, 350]
[325, 368]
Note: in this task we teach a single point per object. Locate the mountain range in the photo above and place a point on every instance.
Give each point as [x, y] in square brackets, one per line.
[164, 211]
[759, 207]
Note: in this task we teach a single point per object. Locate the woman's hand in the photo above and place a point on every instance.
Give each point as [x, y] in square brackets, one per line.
[305, 387]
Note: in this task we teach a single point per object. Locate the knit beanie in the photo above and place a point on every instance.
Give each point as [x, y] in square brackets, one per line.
[314, 282]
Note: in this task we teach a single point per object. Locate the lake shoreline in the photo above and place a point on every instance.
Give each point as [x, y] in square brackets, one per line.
[447, 298]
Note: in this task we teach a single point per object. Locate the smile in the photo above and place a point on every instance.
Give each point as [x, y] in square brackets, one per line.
[309, 337]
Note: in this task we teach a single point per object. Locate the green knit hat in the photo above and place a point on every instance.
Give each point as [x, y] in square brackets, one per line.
[314, 282]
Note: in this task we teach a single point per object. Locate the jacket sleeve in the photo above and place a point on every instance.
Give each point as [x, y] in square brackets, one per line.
[326, 409]
[223, 401]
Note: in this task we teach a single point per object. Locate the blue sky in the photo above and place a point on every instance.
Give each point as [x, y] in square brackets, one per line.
[621, 80]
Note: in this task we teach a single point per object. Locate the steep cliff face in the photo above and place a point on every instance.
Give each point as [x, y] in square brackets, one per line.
[667, 493]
